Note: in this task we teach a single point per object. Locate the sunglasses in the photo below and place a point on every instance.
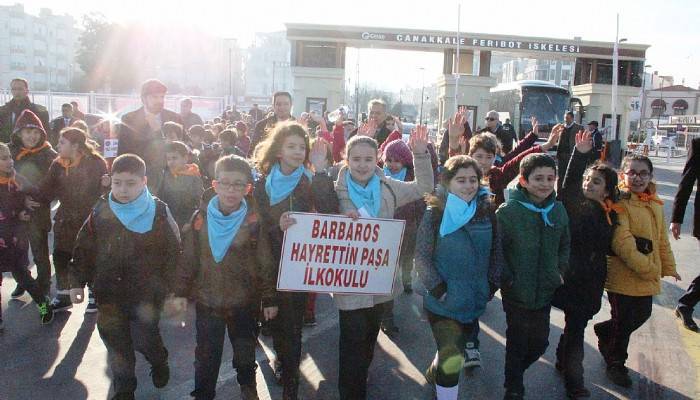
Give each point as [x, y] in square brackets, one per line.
[490, 119]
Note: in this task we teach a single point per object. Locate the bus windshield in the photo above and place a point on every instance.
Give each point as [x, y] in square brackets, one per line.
[547, 105]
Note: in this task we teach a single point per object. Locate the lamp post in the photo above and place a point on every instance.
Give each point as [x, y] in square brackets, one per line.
[422, 95]
[613, 127]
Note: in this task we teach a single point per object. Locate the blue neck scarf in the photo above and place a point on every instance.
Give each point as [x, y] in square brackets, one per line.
[544, 211]
[279, 186]
[369, 197]
[138, 215]
[458, 212]
[399, 176]
[222, 229]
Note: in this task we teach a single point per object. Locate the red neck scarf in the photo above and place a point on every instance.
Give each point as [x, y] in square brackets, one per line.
[27, 152]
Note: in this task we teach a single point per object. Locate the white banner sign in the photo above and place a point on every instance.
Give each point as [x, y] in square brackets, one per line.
[111, 146]
[334, 254]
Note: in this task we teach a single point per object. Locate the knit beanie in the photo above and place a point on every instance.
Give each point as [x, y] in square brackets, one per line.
[398, 150]
[27, 119]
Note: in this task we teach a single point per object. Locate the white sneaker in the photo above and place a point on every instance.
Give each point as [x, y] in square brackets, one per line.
[472, 357]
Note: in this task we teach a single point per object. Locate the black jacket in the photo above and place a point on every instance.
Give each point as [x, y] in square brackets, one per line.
[691, 177]
[505, 137]
[262, 129]
[54, 130]
[135, 136]
[317, 195]
[591, 238]
[11, 110]
[246, 273]
[125, 267]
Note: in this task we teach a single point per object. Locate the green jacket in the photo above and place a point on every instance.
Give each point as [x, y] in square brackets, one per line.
[536, 255]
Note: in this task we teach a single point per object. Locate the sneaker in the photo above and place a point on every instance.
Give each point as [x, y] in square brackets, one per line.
[472, 357]
[91, 305]
[45, 312]
[407, 288]
[685, 314]
[277, 366]
[249, 392]
[160, 374]
[124, 396]
[618, 374]
[60, 303]
[430, 374]
[18, 292]
[309, 320]
[578, 393]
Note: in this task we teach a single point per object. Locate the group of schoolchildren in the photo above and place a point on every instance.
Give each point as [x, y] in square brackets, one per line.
[221, 248]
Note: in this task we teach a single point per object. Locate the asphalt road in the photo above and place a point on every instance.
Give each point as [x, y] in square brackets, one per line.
[67, 360]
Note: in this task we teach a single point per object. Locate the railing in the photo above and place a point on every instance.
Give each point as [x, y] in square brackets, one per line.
[116, 104]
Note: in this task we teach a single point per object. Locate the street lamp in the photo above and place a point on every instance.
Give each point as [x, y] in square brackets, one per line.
[422, 95]
[613, 113]
[643, 98]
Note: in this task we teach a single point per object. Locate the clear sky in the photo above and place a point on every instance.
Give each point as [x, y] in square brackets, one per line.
[671, 27]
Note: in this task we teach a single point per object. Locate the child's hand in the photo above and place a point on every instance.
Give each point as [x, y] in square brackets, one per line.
[106, 180]
[553, 139]
[455, 127]
[418, 142]
[368, 128]
[535, 125]
[318, 155]
[675, 229]
[354, 214]
[24, 216]
[30, 203]
[286, 221]
[270, 313]
[677, 276]
[584, 142]
[76, 295]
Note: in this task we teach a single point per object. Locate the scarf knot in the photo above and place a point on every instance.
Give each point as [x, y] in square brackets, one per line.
[27, 152]
[649, 197]
[399, 176]
[67, 163]
[138, 215]
[608, 207]
[279, 186]
[368, 198]
[544, 211]
[222, 229]
[187, 170]
[459, 212]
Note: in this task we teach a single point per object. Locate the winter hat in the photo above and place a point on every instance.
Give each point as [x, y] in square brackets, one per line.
[398, 150]
[27, 119]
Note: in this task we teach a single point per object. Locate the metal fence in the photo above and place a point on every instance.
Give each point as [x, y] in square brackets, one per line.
[117, 104]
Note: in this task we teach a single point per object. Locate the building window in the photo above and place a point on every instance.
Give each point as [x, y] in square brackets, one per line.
[658, 107]
[680, 107]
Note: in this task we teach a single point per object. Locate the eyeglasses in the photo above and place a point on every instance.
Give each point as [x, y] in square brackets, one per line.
[490, 119]
[238, 185]
[642, 174]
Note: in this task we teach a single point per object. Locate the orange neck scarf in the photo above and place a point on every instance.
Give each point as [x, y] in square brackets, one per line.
[27, 152]
[67, 164]
[187, 170]
[8, 180]
[648, 197]
[608, 207]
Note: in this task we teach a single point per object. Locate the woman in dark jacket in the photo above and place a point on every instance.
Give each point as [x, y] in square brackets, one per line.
[589, 196]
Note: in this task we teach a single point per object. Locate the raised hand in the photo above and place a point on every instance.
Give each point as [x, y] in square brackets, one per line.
[455, 127]
[319, 155]
[535, 125]
[304, 120]
[584, 141]
[368, 128]
[418, 141]
[554, 136]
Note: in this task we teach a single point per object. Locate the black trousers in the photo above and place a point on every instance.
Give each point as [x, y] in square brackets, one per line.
[570, 349]
[125, 329]
[358, 336]
[39, 243]
[286, 338]
[450, 337]
[24, 279]
[527, 338]
[692, 296]
[211, 328]
[61, 260]
[628, 313]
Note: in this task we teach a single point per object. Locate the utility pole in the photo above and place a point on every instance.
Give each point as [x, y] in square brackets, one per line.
[459, 14]
[422, 95]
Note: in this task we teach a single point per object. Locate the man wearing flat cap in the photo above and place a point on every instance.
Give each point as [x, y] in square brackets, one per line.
[140, 131]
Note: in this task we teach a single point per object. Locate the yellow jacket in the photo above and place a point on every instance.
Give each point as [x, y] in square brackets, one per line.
[631, 272]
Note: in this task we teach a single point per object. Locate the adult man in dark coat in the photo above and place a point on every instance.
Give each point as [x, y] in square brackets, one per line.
[189, 118]
[376, 108]
[691, 177]
[565, 147]
[13, 108]
[282, 108]
[256, 113]
[140, 131]
[66, 119]
[493, 125]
